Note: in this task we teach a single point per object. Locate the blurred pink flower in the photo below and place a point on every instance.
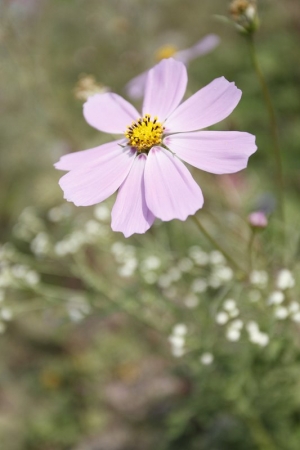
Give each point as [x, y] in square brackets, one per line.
[145, 165]
[258, 219]
[135, 88]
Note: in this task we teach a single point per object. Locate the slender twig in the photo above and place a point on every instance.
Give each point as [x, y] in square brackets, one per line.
[273, 127]
[213, 241]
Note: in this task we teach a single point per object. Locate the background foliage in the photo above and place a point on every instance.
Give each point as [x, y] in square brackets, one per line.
[86, 363]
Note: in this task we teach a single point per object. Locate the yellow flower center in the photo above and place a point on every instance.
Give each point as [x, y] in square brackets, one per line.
[144, 133]
[165, 52]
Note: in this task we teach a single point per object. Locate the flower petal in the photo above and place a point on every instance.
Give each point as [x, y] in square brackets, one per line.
[109, 113]
[135, 88]
[205, 45]
[171, 191]
[76, 160]
[130, 213]
[165, 87]
[94, 182]
[208, 106]
[213, 151]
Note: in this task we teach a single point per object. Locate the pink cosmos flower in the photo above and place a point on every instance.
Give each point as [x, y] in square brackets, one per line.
[146, 164]
[135, 88]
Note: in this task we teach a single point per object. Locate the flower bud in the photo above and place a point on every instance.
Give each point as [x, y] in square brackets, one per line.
[244, 14]
[258, 220]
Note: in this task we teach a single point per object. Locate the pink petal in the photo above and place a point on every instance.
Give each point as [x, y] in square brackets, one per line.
[97, 180]
[171, 191]
[208, 106]
[206, 45]
[130, 213]
[165, 87]
[109, 113]
[77, 159]
[213, 151]
[135, 88]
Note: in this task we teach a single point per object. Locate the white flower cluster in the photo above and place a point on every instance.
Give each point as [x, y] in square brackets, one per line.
[149, 267]
[255, 335]
[207, 358]
[125, 255]
[90, 234]
[229, 315]
[259, 278]
[6, 313]
[16, 275]
[78, 308]
[177, 340]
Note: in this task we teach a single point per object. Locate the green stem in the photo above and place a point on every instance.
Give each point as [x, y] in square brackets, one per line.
[250, 250]
[260, 434]
[212, 240]
[273, 127]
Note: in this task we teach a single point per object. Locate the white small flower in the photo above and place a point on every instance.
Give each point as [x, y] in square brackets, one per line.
[40, 245]
[185, 265]
[281, 313]
[259, 338]
[232, 334]
[6, 314]
[199, 285]
[191, 301]
[177, 352]
[222, 318]
[180, 329]
[150, 263]
[117, 248]
[216, 258]
[93, 228]
[101, 212]
[207, 358]
[229, 304]
[285, 279]
[19, 271]
[252, 326]
[224, 273]
[128, 269]
[214, 282]
[259, 278]
[199, 256]
[237, 324]
[275, 298]
[263, 339]
[293, 307]
[177, 341]
[58, 213]
[296, 317]
[32, 278]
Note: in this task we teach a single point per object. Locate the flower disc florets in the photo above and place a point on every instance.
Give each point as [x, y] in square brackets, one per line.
[144, 133]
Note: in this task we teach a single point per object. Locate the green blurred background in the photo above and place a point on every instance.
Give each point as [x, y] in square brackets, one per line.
[109, 383]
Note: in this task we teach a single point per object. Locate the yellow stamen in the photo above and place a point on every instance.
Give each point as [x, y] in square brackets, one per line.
[165, 52]
[144, 133]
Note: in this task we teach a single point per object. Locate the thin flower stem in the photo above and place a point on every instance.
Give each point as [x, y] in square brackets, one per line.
[212, 240]
[250, 250]
[273, 127]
